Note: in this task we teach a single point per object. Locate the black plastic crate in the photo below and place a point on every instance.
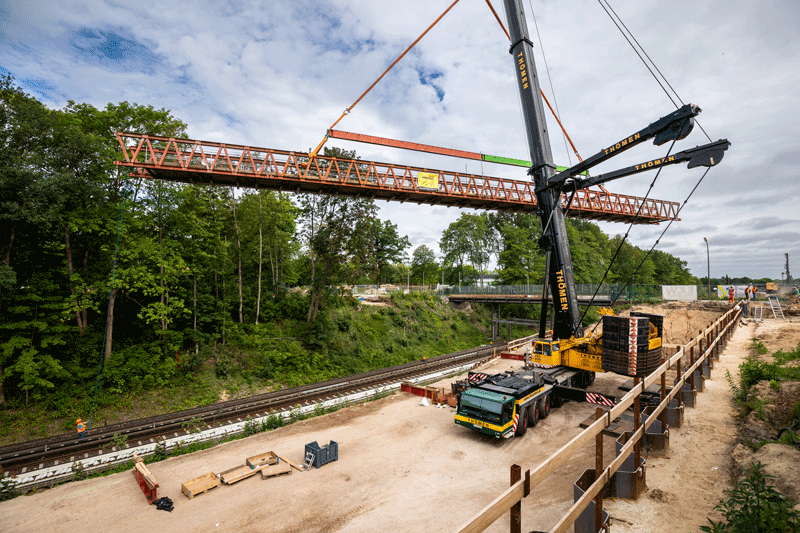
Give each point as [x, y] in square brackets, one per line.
[323, 454]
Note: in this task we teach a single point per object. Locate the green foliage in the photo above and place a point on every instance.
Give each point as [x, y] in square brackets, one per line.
[753, 371]
[78, 471]
[195, 425]
[251, 427]
[754, 505]
[423, 265]
[775, 385]
[8, 489]
[273, 422]
[160, 451]
[759, 347]
[119, 441]
[782, 357]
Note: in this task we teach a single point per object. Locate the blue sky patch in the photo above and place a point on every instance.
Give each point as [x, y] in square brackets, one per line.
[111, 48]
[428, 78]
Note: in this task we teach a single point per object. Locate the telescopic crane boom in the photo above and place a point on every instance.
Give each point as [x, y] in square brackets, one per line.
[549, 184]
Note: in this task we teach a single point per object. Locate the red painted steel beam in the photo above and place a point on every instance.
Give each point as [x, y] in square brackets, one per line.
[201, 162]
[406, 145]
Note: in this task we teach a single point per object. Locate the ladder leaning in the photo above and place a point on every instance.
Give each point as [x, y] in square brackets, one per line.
[775, 304]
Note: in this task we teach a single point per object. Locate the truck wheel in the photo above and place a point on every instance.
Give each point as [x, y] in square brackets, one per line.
[522, 426]
[584, 379]
[533, 414]
[544, 408]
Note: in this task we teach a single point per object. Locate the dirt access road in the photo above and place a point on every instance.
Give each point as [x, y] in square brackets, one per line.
[405, 467]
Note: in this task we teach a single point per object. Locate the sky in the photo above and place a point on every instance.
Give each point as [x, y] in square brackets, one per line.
[278, 74]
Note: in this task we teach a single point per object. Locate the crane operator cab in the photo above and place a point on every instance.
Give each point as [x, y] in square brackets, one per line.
[546, 352]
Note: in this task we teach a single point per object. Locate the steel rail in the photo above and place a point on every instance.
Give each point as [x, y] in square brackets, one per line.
[201, 162]
[20, 458]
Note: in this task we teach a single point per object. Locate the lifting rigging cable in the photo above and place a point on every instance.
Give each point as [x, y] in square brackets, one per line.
[316, 150]
[616, 253]
[110, 293]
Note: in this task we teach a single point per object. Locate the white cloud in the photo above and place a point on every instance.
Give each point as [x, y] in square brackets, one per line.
[277, 74]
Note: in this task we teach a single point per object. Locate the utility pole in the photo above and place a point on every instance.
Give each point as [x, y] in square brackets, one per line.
[708, 263]
[788, 274]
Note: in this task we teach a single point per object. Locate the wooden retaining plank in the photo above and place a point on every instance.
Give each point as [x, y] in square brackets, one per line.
[238, 473]
[276, 470]
[299, 466]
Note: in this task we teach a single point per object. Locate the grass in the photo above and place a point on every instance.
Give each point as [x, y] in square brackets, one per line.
[271, 356]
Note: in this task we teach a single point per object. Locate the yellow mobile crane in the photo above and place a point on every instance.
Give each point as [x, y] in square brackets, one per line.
[503, 405]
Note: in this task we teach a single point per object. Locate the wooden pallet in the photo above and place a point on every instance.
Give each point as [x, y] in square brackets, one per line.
[147, 481]
[238, 473]
[276, 470]
[199, 485]
[268, 458]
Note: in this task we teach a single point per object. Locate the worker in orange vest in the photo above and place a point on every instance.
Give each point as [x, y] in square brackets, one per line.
[755, 293]
[81, 428]
[730, 294]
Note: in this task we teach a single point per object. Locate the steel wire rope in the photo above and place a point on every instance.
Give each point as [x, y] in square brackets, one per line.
[625, 237]
[648, 57]
[313, 154]
[110, 292]
[557, 112]
[657, 241]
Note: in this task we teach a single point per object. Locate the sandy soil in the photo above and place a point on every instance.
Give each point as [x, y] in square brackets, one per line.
[403, 466]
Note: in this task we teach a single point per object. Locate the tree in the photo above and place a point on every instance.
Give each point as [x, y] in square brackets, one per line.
[387, 246]
[519, 260]
[268, 222]
[423, 265]
[471, 238]
[337, 237]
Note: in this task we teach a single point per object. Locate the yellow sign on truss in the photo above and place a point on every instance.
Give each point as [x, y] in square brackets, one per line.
[428, 180]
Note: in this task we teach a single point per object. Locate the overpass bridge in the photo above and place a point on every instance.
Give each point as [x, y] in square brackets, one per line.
[202, 162]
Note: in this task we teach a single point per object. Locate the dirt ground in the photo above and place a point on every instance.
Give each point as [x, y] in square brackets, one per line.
[406, 467]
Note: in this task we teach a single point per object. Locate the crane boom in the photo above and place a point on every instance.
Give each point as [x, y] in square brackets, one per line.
[561, 278]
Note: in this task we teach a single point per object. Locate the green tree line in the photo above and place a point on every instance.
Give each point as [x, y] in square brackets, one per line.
[131, 277]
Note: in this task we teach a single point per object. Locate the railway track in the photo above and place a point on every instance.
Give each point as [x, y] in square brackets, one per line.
[45, 462]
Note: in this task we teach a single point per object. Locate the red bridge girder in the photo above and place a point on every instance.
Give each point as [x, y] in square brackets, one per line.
[202, 162]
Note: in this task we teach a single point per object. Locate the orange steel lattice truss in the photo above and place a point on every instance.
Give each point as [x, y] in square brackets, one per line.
[201, 162]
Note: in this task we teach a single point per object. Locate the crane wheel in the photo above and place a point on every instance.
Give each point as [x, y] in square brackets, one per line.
[544, 408]
[590, 378]
[522, 426]
[533, 414]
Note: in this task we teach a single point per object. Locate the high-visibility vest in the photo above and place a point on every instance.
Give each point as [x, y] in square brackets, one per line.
[81, 427]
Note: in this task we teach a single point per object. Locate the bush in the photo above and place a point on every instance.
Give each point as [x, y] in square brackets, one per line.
[754, 371]
[755, 506]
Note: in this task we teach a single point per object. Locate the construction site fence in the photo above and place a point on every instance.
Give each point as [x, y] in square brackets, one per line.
[607, 290]
[615, 292]
[702, 350]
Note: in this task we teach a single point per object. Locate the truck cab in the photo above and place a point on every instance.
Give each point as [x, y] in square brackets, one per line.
[489, 412]
[504, 405]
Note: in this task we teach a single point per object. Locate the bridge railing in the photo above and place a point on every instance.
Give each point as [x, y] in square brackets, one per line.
[617, 292]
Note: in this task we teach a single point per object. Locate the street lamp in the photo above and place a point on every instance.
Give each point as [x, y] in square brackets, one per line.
[708, 264]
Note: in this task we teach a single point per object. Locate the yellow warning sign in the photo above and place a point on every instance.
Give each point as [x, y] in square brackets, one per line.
[428, 180]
